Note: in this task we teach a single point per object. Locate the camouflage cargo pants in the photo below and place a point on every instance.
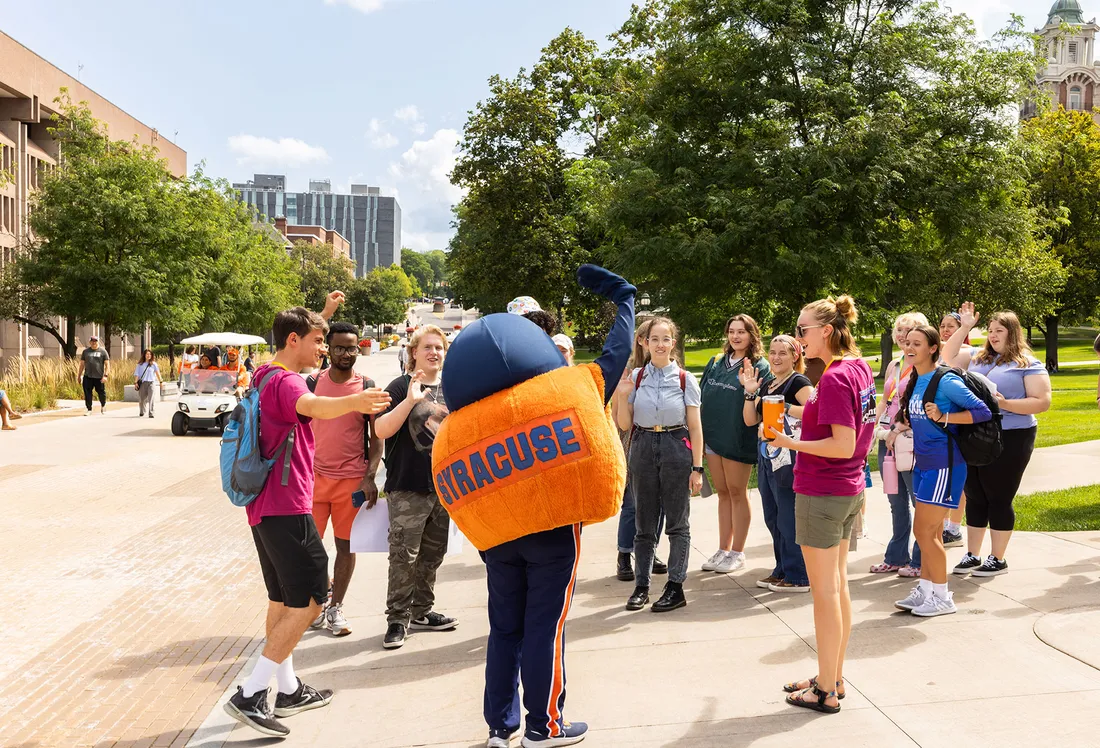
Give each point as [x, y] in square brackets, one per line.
[418, 542]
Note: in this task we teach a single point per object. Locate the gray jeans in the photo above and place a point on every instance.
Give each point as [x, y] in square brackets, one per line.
[660, 471]
[147, 395]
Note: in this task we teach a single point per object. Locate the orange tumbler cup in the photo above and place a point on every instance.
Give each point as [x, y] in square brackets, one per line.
[773, 415]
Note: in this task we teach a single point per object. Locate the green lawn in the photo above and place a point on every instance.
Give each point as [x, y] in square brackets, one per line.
[1074, 416]
[1059, 511]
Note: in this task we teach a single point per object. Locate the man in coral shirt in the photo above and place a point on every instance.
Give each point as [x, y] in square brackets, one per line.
[346, 461]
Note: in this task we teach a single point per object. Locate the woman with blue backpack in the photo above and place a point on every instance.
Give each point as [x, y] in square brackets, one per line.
[1023, 391]
[935, 400]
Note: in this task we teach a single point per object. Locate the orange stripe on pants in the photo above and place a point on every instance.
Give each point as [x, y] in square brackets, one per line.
[558, 678]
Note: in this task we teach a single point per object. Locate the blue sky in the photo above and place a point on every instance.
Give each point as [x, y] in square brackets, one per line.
[365, 91]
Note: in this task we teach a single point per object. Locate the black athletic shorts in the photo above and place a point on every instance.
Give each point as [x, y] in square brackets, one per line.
[292, 559]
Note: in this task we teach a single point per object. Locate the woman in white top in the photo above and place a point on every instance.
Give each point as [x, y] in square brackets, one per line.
[147, 383]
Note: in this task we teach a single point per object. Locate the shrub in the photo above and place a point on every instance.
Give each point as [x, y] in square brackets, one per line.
[47, 380]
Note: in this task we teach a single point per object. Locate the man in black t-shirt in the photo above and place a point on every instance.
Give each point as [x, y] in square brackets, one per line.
[418, 522]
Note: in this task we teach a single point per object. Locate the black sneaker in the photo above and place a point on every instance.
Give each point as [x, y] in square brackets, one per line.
[992, 567]
[302, 700]
[659, 566]
[434, 622]
[395, 636]
[952, 539]
[253, 712]
[969, 563]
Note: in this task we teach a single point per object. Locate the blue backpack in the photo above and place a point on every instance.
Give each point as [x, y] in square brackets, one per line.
[244, 468]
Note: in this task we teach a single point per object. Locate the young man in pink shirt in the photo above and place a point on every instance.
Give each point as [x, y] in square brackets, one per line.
[292, 557]
[346, 461]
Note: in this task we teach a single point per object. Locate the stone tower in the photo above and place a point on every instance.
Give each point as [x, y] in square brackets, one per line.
[1072, 75]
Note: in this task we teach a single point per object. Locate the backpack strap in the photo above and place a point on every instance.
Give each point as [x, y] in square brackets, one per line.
[683, 381]
[367, 384]
[638, 381]
[286, 449]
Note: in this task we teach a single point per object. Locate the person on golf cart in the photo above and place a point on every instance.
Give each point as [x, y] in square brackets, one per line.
[233, 364]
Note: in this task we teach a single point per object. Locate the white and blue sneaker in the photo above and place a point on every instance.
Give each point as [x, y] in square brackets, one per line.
[500, 738]
[571, 734]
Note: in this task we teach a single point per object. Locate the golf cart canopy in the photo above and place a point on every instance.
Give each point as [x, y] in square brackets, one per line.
[235, 339]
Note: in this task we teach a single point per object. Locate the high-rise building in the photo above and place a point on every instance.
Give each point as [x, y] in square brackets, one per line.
[28, 87]
[369, 221]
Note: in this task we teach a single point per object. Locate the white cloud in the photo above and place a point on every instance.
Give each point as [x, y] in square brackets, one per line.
[421, 178]
[379, 137]
[267, 152]
[408, 113]
[419, 128]
[363, 6]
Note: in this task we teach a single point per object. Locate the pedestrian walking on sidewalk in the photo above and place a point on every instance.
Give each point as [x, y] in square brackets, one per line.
[95, 368]
[940, 470]
[292, 557]
[346, 461]
[147, 383]
[838, 425]
[1023, 391]
[419, 524]
[775, 467]
[731, 446]
[659, 404]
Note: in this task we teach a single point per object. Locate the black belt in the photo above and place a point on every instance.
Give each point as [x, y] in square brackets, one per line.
[661, 429]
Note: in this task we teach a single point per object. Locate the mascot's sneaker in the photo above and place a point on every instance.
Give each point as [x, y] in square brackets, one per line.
[500, 738]
[571, 734]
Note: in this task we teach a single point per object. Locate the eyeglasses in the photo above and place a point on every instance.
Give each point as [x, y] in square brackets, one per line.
[800, 330]
[339, 350]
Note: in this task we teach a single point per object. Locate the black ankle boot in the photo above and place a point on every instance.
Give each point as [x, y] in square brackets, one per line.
[671, 599]
[659, 566]
[639, 599]
[625, 572]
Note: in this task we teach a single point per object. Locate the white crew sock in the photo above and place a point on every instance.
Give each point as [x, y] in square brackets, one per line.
[954, 526]
[285, 677]
[940, 591]
[925, 586]
[260, 678]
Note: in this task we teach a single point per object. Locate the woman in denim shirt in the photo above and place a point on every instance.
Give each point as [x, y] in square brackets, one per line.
[659, 404]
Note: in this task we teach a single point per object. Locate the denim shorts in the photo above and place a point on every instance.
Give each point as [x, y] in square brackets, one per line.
[823, 521]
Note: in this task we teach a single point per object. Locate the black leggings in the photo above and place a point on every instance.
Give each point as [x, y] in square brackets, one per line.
[990, 489]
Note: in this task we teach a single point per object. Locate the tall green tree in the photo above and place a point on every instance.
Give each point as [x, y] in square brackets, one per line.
[437, 258]
[771, 152]
[516, 232]
[378, 298]
[419, 269]
[320, 271]
[108, 236]
[1062, 157]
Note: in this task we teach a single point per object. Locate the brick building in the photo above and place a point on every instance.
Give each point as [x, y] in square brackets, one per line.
[28, 87]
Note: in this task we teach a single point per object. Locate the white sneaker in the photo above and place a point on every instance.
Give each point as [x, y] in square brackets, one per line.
[319, 621]
[733, 561]
[915, 600]
[337, 624]
[934, 605]
[712, 563]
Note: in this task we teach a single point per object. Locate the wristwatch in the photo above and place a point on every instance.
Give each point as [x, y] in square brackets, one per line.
[750, 396]
[697, 469]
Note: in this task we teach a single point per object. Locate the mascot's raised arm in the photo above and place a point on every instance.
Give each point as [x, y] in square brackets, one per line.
[527, 456]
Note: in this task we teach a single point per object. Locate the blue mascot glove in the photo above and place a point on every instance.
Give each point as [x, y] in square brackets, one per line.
[605, 283]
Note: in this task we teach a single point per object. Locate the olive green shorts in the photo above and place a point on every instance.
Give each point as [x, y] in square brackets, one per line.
[823, 521]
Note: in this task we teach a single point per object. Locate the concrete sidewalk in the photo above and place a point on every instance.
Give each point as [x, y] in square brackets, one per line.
[1016, 666]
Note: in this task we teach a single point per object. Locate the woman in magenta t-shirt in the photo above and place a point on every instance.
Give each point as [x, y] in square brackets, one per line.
[838, 425]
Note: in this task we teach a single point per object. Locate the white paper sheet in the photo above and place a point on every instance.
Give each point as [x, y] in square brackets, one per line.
[370, 532]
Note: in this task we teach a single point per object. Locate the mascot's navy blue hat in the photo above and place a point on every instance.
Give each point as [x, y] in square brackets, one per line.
[493, 354]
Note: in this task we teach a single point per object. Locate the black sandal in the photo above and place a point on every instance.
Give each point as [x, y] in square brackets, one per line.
[817, 706]
[794, 687]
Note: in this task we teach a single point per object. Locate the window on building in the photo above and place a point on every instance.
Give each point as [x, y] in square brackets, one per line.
[1072, 52]
[1075, 98]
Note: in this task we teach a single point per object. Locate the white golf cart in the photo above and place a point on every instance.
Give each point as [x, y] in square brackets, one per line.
[208, 396]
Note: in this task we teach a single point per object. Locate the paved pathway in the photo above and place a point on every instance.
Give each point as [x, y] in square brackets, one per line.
[134, 602]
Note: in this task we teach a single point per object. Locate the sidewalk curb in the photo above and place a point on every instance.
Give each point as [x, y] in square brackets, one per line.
[218, 726]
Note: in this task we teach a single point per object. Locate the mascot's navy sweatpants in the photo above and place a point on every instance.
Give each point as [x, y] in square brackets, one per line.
[531, 581]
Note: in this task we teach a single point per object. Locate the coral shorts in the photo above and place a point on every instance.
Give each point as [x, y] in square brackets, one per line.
[332, 498]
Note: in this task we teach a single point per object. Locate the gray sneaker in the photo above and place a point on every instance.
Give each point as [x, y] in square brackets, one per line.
[337, 624]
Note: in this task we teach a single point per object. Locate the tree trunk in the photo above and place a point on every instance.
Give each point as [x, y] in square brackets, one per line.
[107, 338]
[886, 348]
[1050, 335]
[172, 356]
[49, 329]
[70, 337]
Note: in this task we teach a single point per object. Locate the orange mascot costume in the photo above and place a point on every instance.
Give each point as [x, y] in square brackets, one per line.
[527, 456]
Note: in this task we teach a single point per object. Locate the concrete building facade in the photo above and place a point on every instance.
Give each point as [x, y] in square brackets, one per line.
[370, 221]
[28, 86]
